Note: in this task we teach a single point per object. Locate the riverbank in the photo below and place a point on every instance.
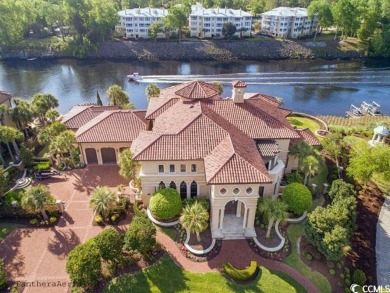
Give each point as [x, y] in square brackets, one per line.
[258, 48]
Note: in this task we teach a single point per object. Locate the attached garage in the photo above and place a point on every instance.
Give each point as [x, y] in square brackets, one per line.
[91, 155]
[108, 155]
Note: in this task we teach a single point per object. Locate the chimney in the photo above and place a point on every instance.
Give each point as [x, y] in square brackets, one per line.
[238, 91]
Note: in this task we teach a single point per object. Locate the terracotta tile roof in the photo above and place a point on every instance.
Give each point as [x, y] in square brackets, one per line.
[196, 90]
[238, 83]
[4, 96]
[267, 148]
[111, 126]
[308, 137]
[159, 105]
[81, 114]
[255, 118]
[141, 115]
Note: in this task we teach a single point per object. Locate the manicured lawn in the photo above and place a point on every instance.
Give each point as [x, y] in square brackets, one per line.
[303, 122]
[166, 276]
[170, 232]
[294, 231]
[6, 228]
[321, 177]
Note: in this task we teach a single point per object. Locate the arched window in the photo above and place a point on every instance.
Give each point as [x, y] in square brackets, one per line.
[183, 190]
[172, 185]
[161, 185]
[194, 189]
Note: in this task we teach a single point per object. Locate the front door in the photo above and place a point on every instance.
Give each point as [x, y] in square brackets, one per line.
[231, 207]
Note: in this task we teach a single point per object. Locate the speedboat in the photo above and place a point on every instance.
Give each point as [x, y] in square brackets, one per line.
[134, 77]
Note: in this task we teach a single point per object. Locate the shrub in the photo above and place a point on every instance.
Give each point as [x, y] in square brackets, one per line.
[114, 217]
[83, 265]
[347, 282]
[330, 264]
[98, 219]
[332, 272]
[3, 276]
[137, 211]
[359, 277]
[298, 198]
[240, 275]
[53, 220]
[294, 177]
[165, 204]
[342, 276]
[339, 265]
[141, 235]
[110, 244]
[203, 201]
[309, 257]
[34, 221]
[42, 166]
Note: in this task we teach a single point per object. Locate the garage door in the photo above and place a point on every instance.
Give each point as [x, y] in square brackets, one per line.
[108, 156]
[91, 156]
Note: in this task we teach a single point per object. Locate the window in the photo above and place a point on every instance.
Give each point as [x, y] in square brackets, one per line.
[172, 185]
[261, 191]
[161, 185]
[222, 191]
[160, 168]
[172, 168]
[249, 190]
[194, 189]
[236, 191]
[193, 168]
[183, 168]
[183, 190]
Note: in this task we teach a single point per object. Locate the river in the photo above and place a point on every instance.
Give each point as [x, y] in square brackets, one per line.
[319, 87]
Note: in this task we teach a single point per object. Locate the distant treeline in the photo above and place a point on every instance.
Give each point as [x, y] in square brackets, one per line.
[93, 21]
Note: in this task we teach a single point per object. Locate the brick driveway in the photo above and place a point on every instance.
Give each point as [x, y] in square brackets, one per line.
[38, 255]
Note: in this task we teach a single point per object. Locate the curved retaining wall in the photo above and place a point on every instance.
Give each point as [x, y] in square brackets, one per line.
[297, 220]
[161, 224]
[276, 248]
[323, 125]
[195, 251]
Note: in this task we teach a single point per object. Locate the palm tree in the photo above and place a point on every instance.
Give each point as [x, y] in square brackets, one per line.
[333, 145]
[52, 115]
[4, 110]
[152, 91]
[102, 201]
[310, 166]
[301, 150]
[118, 97]
[36, 198]
[63, 143]
[273, 210]
[195, 218]
[8, 135]
[22, 114]
[41, 103]
[127, 166]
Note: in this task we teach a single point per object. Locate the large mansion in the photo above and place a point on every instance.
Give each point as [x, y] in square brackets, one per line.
[230, 150]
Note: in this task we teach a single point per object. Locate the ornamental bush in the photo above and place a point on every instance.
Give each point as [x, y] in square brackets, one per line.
[165, 204]
[298, 198]
[240, 275]
[359, 277]
[83, 265]
[110, 244]
[3, 276]
[141, 235]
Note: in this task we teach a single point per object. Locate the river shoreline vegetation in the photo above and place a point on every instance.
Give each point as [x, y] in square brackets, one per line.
[85, 29]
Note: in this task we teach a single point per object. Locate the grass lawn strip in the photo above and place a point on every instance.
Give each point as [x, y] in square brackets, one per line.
[6, 228]
[303, 122]
[294, 261]
[166, 276]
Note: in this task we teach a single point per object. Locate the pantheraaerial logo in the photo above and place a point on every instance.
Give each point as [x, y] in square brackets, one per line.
[355, 288]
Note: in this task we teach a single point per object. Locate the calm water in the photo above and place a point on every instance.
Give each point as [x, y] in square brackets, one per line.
[316, 87]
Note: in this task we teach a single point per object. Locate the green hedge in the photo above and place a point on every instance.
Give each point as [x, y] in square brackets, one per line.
[42, 166]
[298, 198]
[165, 204]
[240, 275]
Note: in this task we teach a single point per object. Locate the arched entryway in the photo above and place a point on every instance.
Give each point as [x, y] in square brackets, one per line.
[91, 156]
[194, 189]
[108, 155]
[234, 219]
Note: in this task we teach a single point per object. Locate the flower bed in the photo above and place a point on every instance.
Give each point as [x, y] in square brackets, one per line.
[182, 236]
[279, 255]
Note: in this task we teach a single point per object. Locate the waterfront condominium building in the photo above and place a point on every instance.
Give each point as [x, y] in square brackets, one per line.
[287, 22]
[135, 23]
[208, 22]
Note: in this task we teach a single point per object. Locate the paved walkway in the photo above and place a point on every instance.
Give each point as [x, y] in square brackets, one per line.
[383, 244]
[38, 255]
[238, 253]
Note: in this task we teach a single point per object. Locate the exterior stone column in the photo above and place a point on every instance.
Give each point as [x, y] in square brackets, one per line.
[99, 156]
[188, 189]
[238, 210]
[245, 217]
[221, 218]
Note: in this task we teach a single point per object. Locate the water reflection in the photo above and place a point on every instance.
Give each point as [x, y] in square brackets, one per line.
[318, 87]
